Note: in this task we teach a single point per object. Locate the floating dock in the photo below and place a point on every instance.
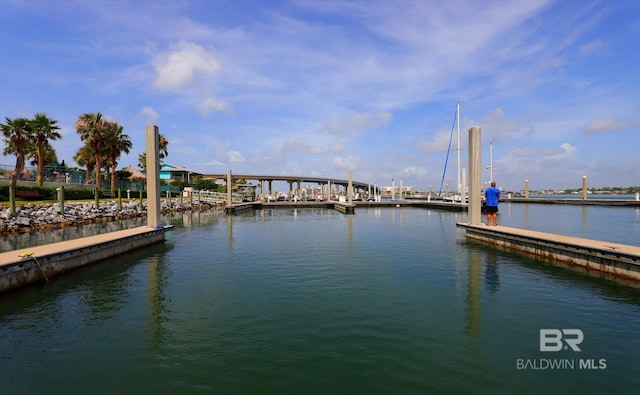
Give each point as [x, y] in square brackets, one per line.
[613, 260]
[37, 264]
[343, 207]
[575, 202]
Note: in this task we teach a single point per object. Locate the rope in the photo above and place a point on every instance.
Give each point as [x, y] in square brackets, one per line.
[30, 255]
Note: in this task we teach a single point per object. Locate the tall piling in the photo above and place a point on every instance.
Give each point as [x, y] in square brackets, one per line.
[350, 187]
[153, 177]
[229, 189]
[475, 175]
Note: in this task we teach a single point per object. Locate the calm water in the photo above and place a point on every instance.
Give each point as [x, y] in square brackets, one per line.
[388, 301]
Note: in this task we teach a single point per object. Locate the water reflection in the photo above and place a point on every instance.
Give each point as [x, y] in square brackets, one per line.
[491, 275]
[473, 327]
[157, 309]
[473, 300]
[230, 233]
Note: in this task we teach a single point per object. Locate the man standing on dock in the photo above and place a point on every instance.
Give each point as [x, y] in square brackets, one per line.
[492, 195]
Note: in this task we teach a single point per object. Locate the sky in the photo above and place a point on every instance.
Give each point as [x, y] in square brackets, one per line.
[318, 88]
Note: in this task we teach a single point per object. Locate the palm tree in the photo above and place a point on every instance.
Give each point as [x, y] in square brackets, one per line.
[49, 156]
[84, 157]
[163, 143]
[17, 134]
[116, 143]
[142, 161]
[91, 128]
[44, 130]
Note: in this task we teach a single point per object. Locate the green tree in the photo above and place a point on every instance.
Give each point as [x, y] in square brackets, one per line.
[49, 156]
[163, 152]
[116, 143]
[18, 133]
[91, 128]
[44, 130]
[84, 158]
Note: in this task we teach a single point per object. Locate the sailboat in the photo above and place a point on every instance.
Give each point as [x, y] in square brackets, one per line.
[456, 197]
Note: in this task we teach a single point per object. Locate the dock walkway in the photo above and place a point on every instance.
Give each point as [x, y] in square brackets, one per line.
[29, 265]
[620, 260]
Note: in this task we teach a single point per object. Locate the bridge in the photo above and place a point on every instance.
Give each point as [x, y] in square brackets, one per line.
[362, 186]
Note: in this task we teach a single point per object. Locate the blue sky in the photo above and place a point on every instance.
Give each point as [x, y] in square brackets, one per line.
[316, 88]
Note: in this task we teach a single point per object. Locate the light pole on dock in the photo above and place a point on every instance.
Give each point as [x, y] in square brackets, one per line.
[490, 167]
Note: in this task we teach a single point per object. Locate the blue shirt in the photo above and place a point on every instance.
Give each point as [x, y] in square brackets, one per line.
[493, 196]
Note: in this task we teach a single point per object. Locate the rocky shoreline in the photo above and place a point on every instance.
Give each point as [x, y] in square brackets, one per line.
[32, 217]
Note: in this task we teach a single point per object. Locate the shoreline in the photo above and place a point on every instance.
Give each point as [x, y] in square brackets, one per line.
[41, 217]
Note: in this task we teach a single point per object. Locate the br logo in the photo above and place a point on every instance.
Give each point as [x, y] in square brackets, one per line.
[558, 339]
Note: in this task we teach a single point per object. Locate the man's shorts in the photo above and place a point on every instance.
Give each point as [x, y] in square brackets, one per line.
[492, 209]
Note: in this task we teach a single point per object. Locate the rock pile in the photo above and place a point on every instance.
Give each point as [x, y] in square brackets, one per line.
[47, 216]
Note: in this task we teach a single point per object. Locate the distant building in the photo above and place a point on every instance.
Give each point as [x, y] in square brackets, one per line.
[170, 173]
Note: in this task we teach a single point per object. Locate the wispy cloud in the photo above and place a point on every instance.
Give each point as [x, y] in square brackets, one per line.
[149, 114]
[610, 125]
[592, 47]
[356, 121]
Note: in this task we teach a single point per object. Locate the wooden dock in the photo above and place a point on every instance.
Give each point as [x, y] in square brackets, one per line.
[610, 259]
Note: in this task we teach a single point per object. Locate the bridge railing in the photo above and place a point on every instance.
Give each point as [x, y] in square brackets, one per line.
[216, 197]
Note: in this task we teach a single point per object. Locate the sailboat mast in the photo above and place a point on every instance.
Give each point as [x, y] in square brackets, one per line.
[458, 122]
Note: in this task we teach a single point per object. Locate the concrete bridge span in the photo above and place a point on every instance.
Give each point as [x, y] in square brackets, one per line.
[362, 186]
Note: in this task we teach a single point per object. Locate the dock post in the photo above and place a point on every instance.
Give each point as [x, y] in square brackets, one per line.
[62, 200]
[463, 190]
[393, 189]
[229, 200]
[584, 187]
[350, 187]
[475, 175]
[526, 189]
[153, 177]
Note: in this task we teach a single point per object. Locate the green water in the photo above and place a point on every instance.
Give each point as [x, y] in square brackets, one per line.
[388, 301]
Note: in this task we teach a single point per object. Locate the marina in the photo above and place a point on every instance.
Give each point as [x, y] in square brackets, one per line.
[392, 300]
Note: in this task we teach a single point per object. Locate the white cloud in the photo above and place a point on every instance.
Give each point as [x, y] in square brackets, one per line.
[210, 104]
[346, 163]
[214, 163]
[182, 66]
[563, 151]
[496, 123]
[438, 143]
[552, 163]
[235, 156]
[150, 115]
[417, 171]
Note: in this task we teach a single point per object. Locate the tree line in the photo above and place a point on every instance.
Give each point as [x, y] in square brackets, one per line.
[104, 143]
